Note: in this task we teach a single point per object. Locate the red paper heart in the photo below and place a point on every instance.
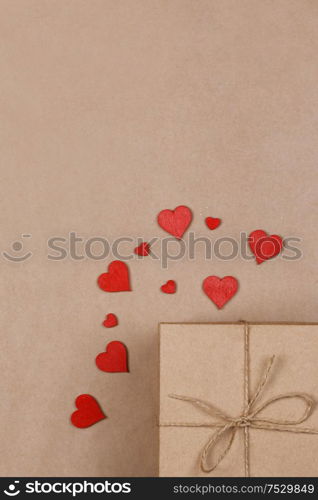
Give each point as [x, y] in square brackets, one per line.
[212, 222]
[89, 412]
[175, 221]
[143, 249]
[263, 246]
[110, 321]
[114, 359]
[169, 287]
[117, 278]
[220, 290]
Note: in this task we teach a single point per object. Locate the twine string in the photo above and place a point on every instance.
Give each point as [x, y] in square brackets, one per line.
[227, 426]
[247, 403]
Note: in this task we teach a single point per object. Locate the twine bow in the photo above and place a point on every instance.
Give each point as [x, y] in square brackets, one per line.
[228, 426]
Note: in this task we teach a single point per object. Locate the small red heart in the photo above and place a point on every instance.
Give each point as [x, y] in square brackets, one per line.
[117, 278]
[212, 222]
[175, 221]
[89, 412]
[114, 359]
[220, 290]
[169, 287]
[143, 249]
[263, 246]
[110, 321]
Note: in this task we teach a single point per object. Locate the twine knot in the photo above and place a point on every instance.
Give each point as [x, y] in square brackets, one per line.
[243, 421]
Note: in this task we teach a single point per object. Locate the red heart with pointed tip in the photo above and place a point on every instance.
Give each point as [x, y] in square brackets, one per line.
[117, 278]
[114, 359]
[220, 290]
[212, 222]
[169, 287]
[176, 221]
[143, 249]
[263, 246]
[110, 321]
[88, 413]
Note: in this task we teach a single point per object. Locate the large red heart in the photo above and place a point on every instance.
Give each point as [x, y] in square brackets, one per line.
[89, 412]
[175, 221]
[220, 290]
[264, 247]
[117, 278]
[114, 359]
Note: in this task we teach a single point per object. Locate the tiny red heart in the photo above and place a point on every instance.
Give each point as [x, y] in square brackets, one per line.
[169, 287]
[114, 359]
[220, 290]
[142, 249]
[110, 321]
[117, 278]
[88, 413]
[212, 222]
[263, 246]
[176, 221]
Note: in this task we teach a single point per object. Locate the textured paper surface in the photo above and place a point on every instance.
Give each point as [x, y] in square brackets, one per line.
[206, 361]
[112, 110]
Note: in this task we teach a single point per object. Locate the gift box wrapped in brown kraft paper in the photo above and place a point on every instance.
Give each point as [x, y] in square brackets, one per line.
[238, 399]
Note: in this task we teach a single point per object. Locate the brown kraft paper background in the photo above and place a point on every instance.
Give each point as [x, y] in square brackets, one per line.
[206, 361]
[112, 111]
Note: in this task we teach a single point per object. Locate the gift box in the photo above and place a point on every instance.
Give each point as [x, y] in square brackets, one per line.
[238, 400]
